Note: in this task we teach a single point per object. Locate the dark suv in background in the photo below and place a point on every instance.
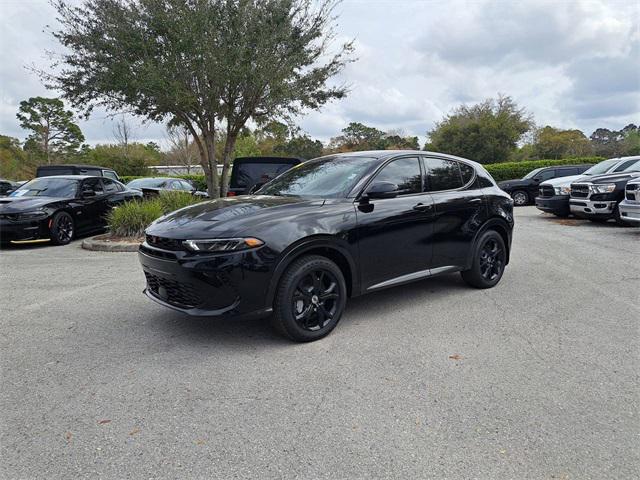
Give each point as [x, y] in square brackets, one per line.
[250, 173]
[331, 228]
[524, 190]
[91, 170]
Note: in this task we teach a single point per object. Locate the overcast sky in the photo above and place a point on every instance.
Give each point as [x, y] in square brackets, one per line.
[572, 64]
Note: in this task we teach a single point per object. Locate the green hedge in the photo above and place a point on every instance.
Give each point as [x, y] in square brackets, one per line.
[512, 170]
[499, 171]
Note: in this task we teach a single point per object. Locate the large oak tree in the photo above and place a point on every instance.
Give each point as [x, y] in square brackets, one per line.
[208, 65]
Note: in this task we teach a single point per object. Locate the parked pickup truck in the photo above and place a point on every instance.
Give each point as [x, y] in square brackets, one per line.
[630, 206]
[597, 199]
[553, 195]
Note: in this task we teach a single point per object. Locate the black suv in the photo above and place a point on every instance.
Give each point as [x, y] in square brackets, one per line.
[250, 173]
[331, 228]
[92, 170]
[524, 190]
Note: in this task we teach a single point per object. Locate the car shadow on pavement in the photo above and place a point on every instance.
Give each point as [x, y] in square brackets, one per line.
[258, 333]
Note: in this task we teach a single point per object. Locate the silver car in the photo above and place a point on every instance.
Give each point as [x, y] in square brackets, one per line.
[630, 206]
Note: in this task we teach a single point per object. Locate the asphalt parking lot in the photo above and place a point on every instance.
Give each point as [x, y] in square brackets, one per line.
[537, 378]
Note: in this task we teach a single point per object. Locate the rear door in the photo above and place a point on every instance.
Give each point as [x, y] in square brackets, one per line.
[394, 234]
[460, 209]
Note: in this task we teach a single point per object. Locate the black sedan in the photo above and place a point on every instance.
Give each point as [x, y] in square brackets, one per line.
[58, 208]
[151, 186]
[331, 228]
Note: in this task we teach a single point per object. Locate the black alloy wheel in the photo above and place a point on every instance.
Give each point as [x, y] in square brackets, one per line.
[62, 228]
[310, 300]
[489, 261]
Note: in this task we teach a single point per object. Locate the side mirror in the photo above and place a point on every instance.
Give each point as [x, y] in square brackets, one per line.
[382, 190]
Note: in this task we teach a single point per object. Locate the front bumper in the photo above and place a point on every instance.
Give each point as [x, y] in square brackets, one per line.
[214, 285]
[592, 208]
[17, 231]
[558, 204]
[630, 212]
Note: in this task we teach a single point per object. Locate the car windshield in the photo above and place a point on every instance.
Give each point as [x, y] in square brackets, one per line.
[48, 187]
[634, 167]
[531, 173]
[147, 183]
[327, 177]
[602, 167]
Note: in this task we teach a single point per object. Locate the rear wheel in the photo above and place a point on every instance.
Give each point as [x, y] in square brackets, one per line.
[62, 228]
[520, 198]
[489, 261]
[310, 299]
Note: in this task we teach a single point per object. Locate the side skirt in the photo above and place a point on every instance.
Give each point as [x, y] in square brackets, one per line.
[410, 277]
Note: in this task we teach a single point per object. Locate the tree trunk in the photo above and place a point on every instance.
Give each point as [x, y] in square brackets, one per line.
[210, 165]
[229, 146]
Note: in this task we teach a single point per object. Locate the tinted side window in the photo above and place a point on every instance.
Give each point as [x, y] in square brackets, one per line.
[546, 175]
[109, 185]
[624, 165]
[93, 185]
[443, 174]
[110, 174]
[404, 172]
[186, 185]
[467, 172]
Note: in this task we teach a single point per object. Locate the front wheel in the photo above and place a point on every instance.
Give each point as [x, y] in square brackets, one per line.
[62, 228]
[520, 198]
[310, 299]
[489, 261]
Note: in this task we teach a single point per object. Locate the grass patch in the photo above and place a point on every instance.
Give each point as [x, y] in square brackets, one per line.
[132, 218]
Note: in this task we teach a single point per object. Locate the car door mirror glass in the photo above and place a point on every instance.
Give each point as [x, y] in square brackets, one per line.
[382, 190]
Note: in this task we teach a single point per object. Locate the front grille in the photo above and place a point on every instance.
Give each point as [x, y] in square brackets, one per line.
[632, 191]
[165, 243]
[152, 252]
[631, 195]
[579, 191]
[180, 294]
[546, 191]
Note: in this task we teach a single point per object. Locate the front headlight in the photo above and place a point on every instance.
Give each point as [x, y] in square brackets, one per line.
[32, 215]
[562, 190]
[604, 188]
[217, 245]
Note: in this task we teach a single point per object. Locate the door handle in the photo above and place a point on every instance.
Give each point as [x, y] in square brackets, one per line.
[422, 207]
[475, 200]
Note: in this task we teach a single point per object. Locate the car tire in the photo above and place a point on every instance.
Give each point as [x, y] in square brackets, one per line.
[520, 198]
[489, 261]
[62, 228]
[310, 299]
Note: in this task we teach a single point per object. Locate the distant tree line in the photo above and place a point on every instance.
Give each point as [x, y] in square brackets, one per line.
[493, 131]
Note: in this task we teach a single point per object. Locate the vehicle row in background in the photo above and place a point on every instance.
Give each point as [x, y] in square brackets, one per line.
[525, 189]
[596, 195]
[553, 196]
[58, 208]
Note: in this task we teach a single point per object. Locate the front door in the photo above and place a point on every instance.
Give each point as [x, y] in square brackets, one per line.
[394, 234]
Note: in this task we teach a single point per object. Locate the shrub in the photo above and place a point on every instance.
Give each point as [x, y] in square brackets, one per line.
[131, 218]
[511, 170]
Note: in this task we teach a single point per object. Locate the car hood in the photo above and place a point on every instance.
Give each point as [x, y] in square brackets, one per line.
[612, 177]
[25, 204]
[226, 217]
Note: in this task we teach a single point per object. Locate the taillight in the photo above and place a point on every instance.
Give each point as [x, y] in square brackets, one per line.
[231, 194]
